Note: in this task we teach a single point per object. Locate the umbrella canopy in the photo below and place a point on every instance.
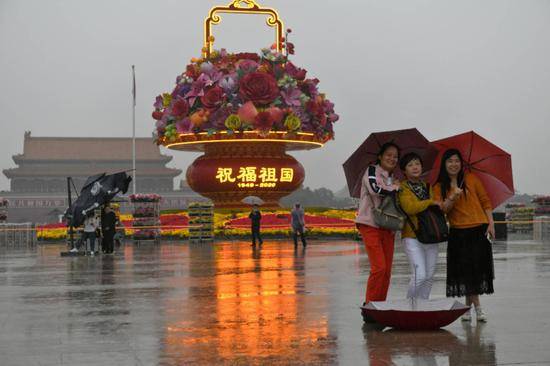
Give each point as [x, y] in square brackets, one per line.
[415, 314]
[408, 140]
[92, 179]
[491, 164]
[252, 200]
[97, 190]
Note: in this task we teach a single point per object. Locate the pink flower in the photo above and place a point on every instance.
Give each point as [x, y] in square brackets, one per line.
[158, 102]
[276, 114]
[248, 112]
[183, 126]
[291, 96]
[247, 65]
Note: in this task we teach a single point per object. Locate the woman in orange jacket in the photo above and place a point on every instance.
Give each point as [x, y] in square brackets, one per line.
[470, 269]
[416, 196]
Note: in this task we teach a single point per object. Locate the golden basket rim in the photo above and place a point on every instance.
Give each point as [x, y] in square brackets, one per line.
[197, 141]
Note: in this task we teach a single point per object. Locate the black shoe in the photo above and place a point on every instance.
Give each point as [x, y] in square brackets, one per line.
[253, 245]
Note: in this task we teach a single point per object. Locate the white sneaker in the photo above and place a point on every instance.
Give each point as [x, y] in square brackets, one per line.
[92, 254]
[467, 317]
[480, 315]
[74, 250]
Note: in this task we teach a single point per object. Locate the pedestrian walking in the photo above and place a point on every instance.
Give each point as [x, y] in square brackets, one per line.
[298, 224]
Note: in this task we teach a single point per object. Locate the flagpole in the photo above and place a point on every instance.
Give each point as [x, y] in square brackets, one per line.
[133, 129]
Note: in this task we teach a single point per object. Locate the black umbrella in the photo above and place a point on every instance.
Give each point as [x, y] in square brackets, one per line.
[98, 190]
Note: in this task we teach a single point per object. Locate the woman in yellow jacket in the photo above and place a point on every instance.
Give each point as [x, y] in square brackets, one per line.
[415, 197]
[470, 268]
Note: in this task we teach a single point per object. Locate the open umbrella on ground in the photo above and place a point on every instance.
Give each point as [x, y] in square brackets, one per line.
[491, 164]
[98, 190]
[408, 140]
[415, 314]
[252, 200]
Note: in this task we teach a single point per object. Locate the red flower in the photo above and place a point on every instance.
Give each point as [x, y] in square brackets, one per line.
[315, 107]
[295, 72]
[158, 115]
[264, 121]
[290, 48]
[247, 56]
[213, 98]
[180, 107]
[258, 87]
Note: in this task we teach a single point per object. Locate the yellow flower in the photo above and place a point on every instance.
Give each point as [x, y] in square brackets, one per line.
[166, 99]
[292, 122]
[233, 122]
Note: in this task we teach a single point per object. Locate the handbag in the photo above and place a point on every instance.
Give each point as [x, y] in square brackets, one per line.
[432, 225]
[388, 214]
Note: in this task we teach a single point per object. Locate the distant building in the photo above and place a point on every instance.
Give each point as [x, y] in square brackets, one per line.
[38, 185]
[46, 162]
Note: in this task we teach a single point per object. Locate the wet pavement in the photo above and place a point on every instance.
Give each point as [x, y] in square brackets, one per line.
[177, 304]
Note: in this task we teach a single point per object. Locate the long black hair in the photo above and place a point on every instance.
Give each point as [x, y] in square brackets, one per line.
[443, 179]
[385, 147]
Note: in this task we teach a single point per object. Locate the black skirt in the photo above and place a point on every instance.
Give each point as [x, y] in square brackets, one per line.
[470, 268]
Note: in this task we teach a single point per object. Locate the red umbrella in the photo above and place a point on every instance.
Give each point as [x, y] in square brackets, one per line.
[409, 140]
[415, 314]
[491, 164]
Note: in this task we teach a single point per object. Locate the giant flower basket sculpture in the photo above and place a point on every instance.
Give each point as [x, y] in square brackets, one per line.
[244, 111]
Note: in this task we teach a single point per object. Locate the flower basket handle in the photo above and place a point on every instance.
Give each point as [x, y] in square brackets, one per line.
[241, 7]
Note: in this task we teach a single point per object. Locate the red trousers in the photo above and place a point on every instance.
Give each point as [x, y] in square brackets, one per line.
[379, 244]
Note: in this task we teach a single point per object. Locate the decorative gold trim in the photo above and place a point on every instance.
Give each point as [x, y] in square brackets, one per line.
[241, 7]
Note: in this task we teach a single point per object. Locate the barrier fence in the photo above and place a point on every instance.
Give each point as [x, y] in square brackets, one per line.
[17, 235]
[30, 227]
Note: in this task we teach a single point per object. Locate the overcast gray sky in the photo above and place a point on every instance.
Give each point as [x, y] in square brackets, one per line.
[442, 66]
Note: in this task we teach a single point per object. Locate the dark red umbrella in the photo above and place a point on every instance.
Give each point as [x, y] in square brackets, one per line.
[409, 140]
[491, 164]
[415, 314]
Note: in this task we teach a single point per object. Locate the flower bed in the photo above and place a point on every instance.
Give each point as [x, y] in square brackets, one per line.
[279, 220]
[237, 92]
[150, 197]
[227, 224]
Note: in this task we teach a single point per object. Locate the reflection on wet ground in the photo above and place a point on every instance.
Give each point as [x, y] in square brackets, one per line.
[178, 304]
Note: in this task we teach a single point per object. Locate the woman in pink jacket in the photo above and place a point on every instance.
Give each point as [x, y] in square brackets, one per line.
[377, 182]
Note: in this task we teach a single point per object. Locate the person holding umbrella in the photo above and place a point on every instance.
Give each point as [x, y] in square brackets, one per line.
[377, 181]
[470, 268]
[255, 218]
